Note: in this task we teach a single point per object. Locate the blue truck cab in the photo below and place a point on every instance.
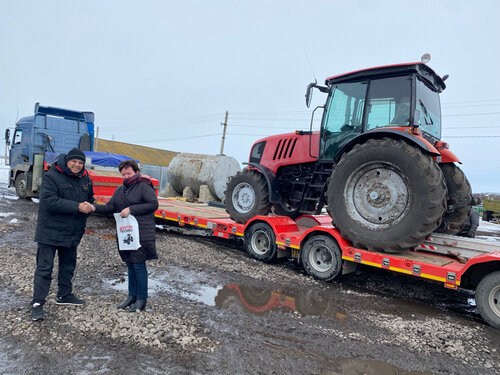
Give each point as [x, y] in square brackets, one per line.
[50, 129]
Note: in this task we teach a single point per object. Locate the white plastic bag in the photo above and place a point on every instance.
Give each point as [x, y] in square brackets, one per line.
[127, 230]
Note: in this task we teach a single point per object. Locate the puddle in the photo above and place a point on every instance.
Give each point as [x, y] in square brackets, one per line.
[261, 301]
[350, 366]
[193, 285]
[185, 281]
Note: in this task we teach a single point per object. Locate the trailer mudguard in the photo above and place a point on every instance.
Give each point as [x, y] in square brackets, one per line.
[392, 133]
[272, 183]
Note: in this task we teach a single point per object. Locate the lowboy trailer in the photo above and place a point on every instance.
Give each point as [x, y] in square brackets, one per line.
[315, 243]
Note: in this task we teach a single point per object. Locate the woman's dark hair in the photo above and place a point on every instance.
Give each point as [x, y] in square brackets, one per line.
[129, 163]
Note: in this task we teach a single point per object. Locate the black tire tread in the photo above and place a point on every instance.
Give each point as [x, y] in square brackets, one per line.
[433, 208]
[258, 182]
[459, 197]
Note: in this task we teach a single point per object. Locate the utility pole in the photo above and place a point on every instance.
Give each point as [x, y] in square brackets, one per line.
[96, 139]
[223, 134]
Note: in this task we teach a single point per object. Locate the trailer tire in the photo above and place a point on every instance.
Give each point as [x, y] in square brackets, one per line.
[386, 195]
[322, 258]
[21, 186]
[459, 199]
[260, 242]
[247, 196]
[488, 298]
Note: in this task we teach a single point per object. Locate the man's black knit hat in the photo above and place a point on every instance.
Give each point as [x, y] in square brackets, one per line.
[75, 153]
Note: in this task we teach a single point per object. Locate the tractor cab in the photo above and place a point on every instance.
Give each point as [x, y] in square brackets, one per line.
[397, 98]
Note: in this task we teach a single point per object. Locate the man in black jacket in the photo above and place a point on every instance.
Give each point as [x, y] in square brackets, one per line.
[66, 194]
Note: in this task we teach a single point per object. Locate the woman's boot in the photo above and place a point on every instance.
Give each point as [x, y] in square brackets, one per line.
[140, 304]
[129, 301]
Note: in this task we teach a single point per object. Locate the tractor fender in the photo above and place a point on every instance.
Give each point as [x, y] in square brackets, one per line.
[392, 133]
[272, 183]
[447, 156]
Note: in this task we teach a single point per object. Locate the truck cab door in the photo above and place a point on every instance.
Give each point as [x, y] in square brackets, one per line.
[20, 150]
[343, 117]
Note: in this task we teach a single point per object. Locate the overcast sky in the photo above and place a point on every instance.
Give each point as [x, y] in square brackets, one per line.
[163, 73]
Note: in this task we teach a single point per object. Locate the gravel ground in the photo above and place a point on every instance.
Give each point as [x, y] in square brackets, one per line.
[212, 309]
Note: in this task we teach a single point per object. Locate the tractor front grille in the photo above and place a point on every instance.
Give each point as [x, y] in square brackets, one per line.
[285, 148]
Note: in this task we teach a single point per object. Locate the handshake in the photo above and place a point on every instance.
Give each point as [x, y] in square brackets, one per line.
[86, 207]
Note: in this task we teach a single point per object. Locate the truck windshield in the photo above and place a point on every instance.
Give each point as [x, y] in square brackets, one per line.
[428, 110]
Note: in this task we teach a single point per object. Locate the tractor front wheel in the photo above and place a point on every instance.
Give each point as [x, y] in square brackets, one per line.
[386, 195]
[247, 196]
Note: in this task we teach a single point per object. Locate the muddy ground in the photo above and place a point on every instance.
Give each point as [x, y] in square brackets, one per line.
[212, 309]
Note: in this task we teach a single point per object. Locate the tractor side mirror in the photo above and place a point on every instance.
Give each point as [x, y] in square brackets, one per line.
[7, 137]
[309, 93]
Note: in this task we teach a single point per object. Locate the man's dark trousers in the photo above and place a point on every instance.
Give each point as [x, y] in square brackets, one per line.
[43, 273]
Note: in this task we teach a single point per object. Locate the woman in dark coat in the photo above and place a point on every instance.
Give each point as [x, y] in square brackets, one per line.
[137, 197]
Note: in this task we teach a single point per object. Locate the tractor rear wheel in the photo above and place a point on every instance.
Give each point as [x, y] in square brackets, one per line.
[386, 195]
[286, 209]
[459, 199]
[247, 196]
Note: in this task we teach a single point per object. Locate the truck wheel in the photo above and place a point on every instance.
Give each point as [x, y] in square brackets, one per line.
[21, 186]
[488, 298]
[386, 195]
[459, 199]
[322, 258]
[487, 215]
[247, 196]
[260, 242]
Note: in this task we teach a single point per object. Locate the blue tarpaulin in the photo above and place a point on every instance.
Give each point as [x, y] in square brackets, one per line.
[105, 159]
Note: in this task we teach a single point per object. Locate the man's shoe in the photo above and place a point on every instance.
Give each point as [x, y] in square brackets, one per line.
[140, 304]
[129, 301]
[37, 312]
[70, 299]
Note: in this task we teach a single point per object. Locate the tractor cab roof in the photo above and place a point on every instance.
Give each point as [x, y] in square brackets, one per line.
[389, 71]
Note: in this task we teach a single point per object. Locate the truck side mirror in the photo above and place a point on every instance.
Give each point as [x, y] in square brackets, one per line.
[7, 137]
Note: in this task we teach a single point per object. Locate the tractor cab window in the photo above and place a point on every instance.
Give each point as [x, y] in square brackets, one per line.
[343, 117]
[428, 110]
[389, 101]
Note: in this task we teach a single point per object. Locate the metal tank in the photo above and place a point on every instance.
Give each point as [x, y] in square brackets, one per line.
[194, 170]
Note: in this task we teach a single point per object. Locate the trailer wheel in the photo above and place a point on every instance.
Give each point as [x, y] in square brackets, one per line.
[247, 196]
[260, 242]
[322, 258]
[459, 199]
[386, 195]
[488, 298]
[21, 186]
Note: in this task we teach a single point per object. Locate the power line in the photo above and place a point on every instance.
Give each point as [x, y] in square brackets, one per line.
[473, 136]
[473, 114]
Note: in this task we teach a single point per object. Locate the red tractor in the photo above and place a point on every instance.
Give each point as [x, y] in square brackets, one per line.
[377, 163]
